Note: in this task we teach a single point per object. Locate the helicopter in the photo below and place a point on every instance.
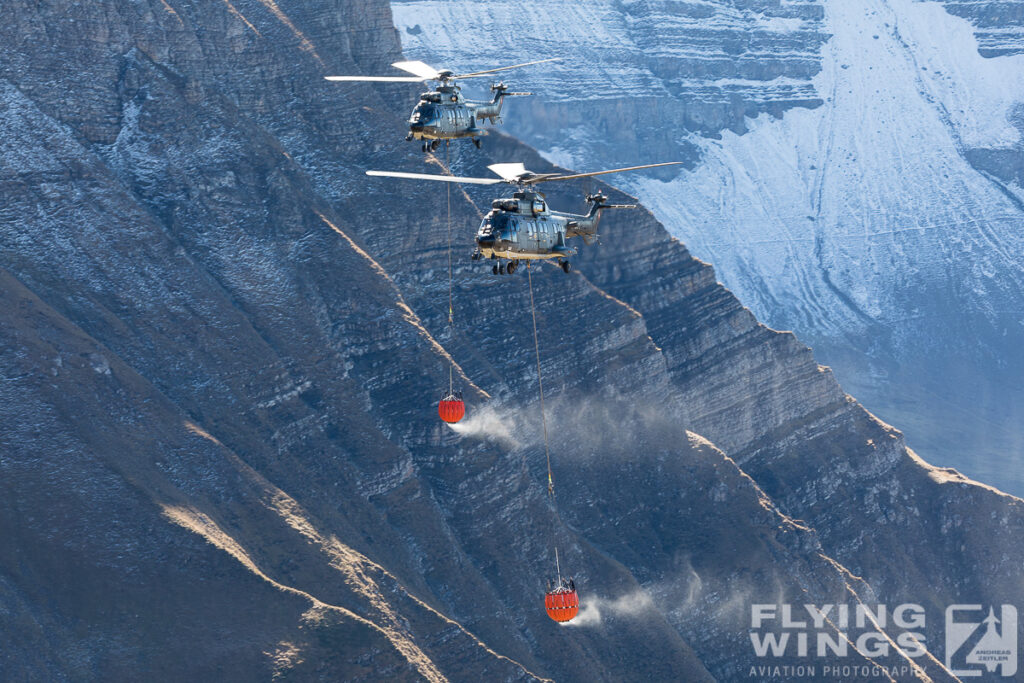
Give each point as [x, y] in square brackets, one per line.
[523, 227]
[443, 113]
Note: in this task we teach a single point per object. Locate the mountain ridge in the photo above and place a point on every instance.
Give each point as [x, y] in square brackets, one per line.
[218, 299]
[859, 184]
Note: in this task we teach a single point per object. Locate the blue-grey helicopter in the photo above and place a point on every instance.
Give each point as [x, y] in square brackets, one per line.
[523, 227]
[443, 113]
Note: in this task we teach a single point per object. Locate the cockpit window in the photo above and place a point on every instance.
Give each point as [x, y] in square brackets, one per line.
[423, 113]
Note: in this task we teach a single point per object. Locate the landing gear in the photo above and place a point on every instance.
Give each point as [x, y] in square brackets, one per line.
[476, 256]
[566, 266]
[505, 269]
[476, 141]
[430, 145]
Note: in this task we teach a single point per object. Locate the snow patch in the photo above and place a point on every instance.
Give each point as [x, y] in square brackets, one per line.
[826, 219]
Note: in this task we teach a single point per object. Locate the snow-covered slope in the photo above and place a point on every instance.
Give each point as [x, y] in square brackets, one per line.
[645, 48]
[863, 225]
[866, 203]
[858, 212]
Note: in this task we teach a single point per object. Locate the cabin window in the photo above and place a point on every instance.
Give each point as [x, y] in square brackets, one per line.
[538, 206]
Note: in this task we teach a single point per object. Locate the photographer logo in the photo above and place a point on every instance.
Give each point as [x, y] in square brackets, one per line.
[976, 643]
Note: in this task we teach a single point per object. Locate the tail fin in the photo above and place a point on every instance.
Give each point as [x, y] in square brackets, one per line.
[493, 111]
[501, 90]
[598, 203]
[588, 228]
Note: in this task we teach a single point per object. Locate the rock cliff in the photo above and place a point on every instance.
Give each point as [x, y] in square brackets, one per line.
[855, 174]
[222, 345]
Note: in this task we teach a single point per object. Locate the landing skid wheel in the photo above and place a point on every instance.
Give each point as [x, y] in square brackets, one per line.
[434, 145]
[512, 267]
[494, 269]
[566, 267]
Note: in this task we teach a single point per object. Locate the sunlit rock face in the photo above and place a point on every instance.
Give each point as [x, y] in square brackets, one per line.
[855, 174]
[221, 347]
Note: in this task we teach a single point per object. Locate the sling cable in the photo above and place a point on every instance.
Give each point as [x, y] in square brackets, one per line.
[561, 600]
[451, 408]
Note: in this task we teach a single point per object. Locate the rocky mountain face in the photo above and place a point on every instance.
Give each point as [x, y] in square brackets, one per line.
[855, 174]
[222, 346]
[999, 24]
[630, 68]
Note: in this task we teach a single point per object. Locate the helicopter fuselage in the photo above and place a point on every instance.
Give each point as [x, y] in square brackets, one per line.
[522, 227]
[444, 114]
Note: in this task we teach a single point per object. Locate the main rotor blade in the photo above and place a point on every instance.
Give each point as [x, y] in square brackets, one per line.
[476, 74]
[529, 181]
[508, 171]
[377, 79]
[442, 178]
[424, 71]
